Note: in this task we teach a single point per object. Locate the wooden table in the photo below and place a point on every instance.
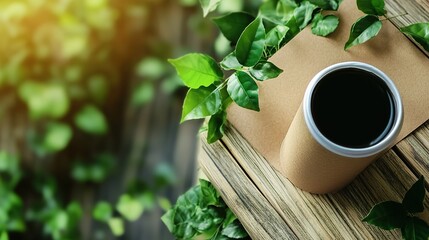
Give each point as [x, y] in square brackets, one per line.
[270, 207]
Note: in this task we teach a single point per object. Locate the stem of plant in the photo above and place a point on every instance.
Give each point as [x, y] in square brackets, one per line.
[222, 84]
[388, 18]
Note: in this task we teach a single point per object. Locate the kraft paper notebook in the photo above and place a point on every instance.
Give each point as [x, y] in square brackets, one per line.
[307, 54]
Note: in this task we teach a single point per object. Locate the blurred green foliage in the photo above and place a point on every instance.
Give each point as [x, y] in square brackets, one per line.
[55, 61]
[11, 212]
[66, 69]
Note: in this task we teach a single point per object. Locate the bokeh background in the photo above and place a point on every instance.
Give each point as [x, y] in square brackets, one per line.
[90, 141]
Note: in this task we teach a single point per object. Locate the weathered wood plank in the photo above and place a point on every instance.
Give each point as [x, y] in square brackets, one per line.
[326, 216]
[405, 12]
[256, 214]
[415, 150]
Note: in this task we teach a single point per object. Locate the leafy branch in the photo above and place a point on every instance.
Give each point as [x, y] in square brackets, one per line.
[255, 40]
[391, 215]
[201, 213]
[368, 26]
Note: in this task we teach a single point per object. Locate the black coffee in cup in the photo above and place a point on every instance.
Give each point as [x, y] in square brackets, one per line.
[353, 107]
[350, 113]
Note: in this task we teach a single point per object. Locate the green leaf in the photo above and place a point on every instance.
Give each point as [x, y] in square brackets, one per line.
[303, 14]
[387, 215]
[229, 218]
[116, 226]
[102, 212]
[209, 6]
[233, 24]
[183, 219]
[168, 220]
[208, 195]
[56, 137]
[226, 99]
[96, 173]
[276, 11]
[130, 208]
[234, 230]
[216, 127]
[419, 32]
[16, 224]
[270, 24]
[364, 29]
[8, 162]
[415, 229]
[372, 7]
[146, 199]
[293, 26]
[57, 222]
[327, 4]
[44, 100]
[197, 70]
[231, 6]
[91, 120]
[201, 213]
[250, 45]
[4, 236]
[80, 172]
[164, 203]
[151, 68]
[143, 94]
[164, 175]
[276, 35]
[98, 88]
[222, 46]
[230, 62]
[265, 70]
[243, 90]
[205, 219]
[324, 25]
[74, 211]
[9, 166]
[191, 197]
[413, 200]
[200, 103]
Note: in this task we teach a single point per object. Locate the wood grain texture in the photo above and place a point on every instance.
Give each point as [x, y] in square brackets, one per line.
[414, 150]
[256, 214]
[330, 216]
[405, 12]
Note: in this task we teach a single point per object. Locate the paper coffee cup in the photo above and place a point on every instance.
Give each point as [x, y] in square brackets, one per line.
[350, 114]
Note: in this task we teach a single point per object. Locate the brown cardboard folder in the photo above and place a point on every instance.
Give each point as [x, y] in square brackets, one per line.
[307, 54]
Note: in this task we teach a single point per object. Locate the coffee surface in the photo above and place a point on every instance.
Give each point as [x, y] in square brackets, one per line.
[352, 108]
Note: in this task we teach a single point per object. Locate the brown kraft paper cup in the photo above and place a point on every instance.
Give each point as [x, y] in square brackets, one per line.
[315, 164]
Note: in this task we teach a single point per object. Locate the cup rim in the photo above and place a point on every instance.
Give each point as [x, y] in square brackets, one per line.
[348, 151]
